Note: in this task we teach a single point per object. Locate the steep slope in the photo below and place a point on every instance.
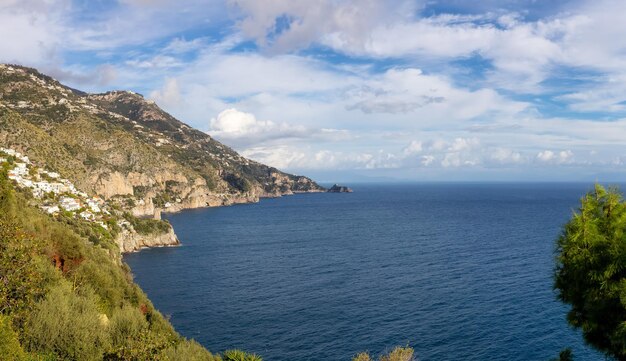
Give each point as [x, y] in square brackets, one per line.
[127, 150]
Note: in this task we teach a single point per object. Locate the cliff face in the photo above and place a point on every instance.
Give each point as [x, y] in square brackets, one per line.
[131, 241]
[127, 150]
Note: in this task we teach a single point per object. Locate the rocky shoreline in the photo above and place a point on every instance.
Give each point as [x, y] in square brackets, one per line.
[131, 242]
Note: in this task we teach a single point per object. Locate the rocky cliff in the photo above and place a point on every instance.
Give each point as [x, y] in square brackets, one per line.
[127, 150]
[131, 241]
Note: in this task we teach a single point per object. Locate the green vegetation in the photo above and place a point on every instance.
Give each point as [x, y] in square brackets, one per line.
[565, 355]
[63, 297]
[590, 272]
[397, 354]
[148, 225]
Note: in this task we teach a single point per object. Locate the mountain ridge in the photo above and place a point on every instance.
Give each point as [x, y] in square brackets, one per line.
[47, 104]
[125, 149]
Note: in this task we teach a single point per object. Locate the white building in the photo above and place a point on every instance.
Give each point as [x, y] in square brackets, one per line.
[25, 182]
[69, 204]
[50, 174]
[51, 209]
[86, 215]
[46, 187]
[93, 205]
[21, 169]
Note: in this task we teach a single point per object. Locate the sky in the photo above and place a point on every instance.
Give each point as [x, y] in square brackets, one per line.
[359, 90]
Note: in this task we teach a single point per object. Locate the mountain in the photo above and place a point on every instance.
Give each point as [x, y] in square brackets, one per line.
[126, 149]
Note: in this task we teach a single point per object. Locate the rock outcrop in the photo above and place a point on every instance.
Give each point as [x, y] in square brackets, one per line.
[339, 189]
[128, 240]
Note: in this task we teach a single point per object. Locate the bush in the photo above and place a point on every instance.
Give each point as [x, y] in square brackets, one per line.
[126, 324]
[397, 354]
[108, 281]
[10, 348]
[67, 325]
[188, 350]
[148, 225]
[237, 355]
[23, 275]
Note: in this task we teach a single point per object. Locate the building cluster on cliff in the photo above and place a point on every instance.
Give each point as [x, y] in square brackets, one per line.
[55, 193]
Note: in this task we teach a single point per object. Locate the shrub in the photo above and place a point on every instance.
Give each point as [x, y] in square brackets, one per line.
[397, 354]
[238, 355]
[363, 356]
[67, 325]
[147, 225]
[126, 324]
[188, 350]
[10, 348]
[23, 275]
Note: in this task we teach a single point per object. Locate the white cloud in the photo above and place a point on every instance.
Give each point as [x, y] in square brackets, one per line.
[304, 24]
[31, 31]
[243, 128]
[560, 157]
[415, 147]
[506, 156]
[169, 95]
[402, 91]
[298, 157]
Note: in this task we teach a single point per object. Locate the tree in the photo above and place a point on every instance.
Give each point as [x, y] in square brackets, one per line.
[590, 272]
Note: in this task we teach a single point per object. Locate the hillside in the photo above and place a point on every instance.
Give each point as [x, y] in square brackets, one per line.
[66, 296]
[78, 173]
[127, 150]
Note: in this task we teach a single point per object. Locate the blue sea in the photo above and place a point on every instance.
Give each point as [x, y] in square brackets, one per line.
[456, 271]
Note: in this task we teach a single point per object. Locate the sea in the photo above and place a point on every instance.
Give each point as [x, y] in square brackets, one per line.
[456, 271]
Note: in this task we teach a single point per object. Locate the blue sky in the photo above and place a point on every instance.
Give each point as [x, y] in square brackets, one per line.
[359, 90]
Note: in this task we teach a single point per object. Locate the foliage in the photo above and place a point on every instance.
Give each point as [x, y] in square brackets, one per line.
[126, 324]
[397, 354]
[148, 225]
[85, 308]
[188, 350]
[10, 347]
[590, 272]
[68, 325]
[363, 356]
[565, 355]
[238, 355]
[108, 281]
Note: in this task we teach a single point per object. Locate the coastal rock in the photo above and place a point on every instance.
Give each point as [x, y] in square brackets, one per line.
[131, 241]
[339, 189]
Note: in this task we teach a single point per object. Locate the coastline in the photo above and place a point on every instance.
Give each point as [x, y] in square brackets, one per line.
[135, 242]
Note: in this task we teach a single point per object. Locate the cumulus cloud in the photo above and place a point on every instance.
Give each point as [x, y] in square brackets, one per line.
[244, 128]
[560, 157]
